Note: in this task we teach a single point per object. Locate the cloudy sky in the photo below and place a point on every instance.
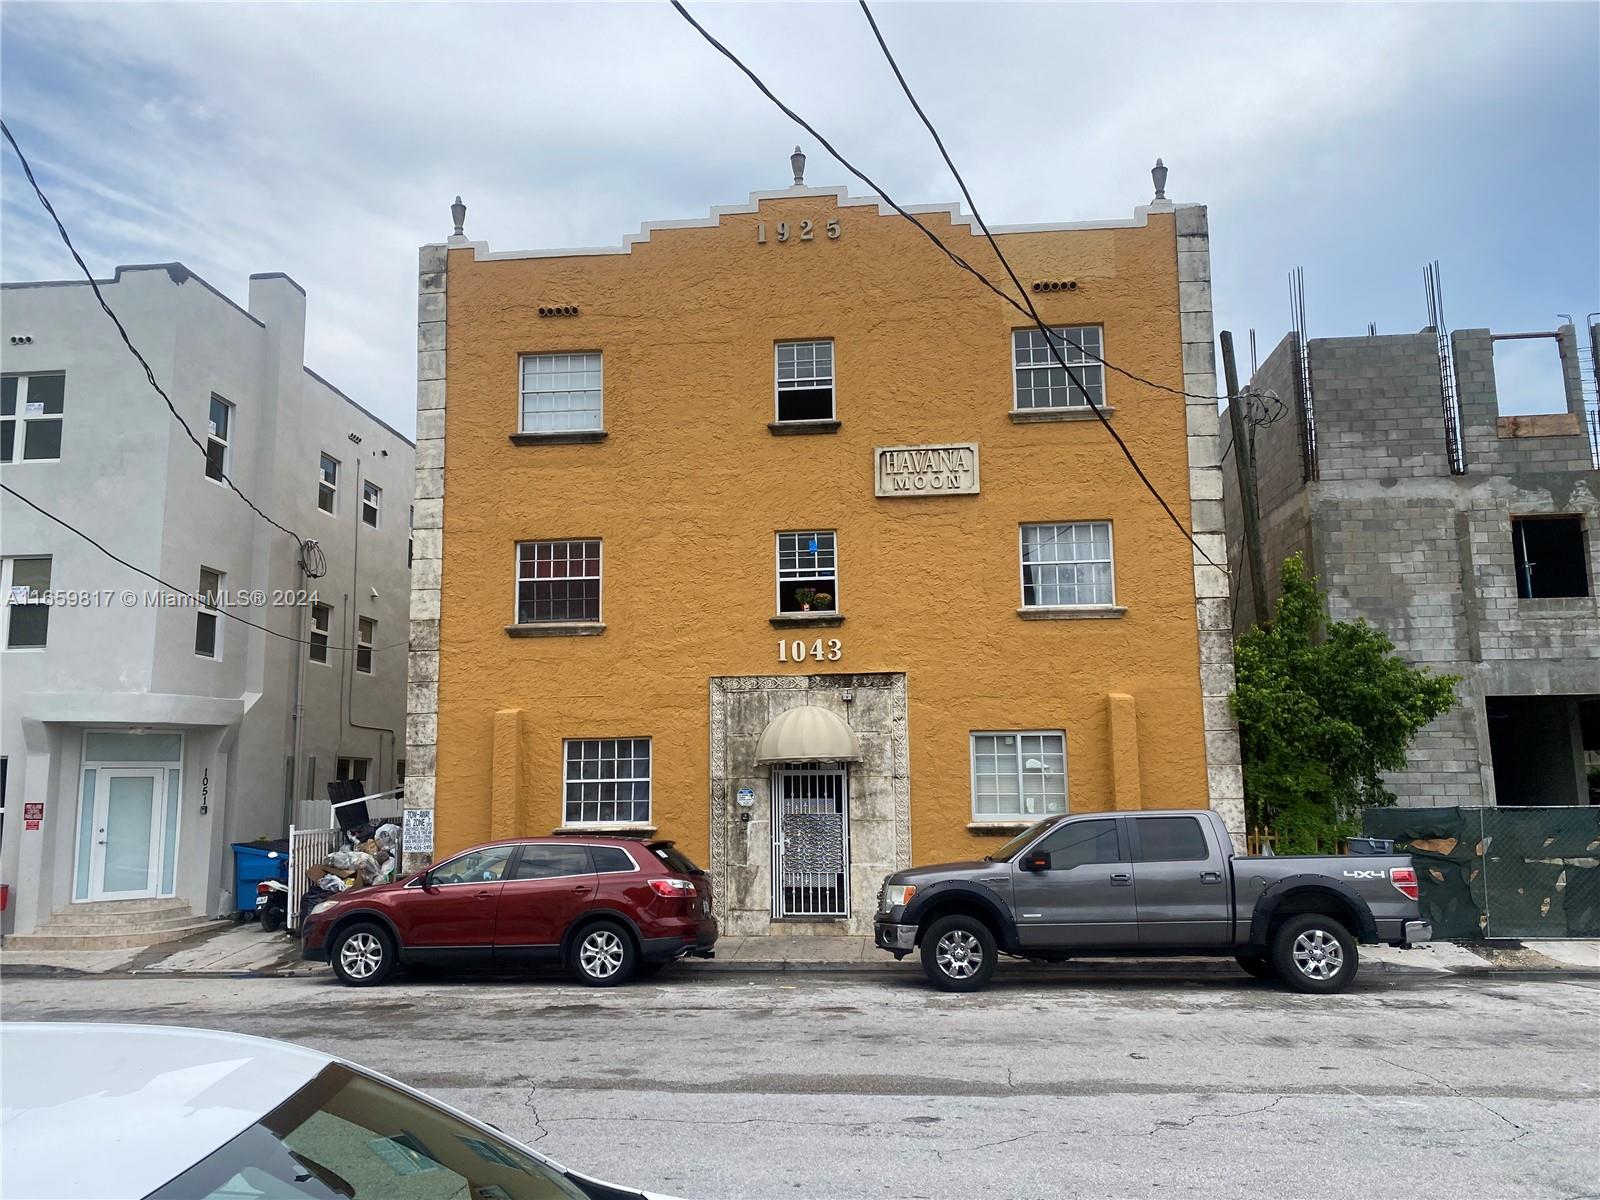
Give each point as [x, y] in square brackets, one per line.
[327, 141]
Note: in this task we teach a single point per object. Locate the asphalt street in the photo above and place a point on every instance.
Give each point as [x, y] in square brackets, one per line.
[715, 1086]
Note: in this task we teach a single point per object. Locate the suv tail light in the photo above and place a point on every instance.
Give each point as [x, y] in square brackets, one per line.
[1405, 881]
[680, 889]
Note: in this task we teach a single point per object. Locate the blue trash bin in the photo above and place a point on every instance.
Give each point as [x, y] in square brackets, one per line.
[253, 862]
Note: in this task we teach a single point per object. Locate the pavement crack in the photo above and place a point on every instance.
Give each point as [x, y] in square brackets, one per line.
[1522, 1130]
[1188, 1121]
[528, 1104]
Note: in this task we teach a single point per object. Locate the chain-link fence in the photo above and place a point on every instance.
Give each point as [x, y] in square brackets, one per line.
[1501, 872]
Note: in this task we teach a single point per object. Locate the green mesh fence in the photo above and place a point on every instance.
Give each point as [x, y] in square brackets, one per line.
[1501, 872]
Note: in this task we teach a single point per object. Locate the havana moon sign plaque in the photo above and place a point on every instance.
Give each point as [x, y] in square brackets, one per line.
[950, 470]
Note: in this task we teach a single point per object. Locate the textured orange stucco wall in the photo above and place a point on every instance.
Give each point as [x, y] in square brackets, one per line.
[689, 488]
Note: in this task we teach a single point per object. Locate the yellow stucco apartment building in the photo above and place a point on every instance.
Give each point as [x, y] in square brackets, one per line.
[773, 533]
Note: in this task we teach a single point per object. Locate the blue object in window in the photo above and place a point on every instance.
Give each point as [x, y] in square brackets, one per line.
[813, 543]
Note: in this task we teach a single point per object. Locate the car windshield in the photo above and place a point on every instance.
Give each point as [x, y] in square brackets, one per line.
[1014, 847]
[347, 1135]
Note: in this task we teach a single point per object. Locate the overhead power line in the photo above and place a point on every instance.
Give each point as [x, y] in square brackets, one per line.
[199, 600]
[1051, 338]
[150, 375]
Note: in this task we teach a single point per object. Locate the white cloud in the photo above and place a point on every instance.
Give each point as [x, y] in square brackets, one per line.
[327, 141]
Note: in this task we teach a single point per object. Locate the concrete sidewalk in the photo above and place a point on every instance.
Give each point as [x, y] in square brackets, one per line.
[245, 950]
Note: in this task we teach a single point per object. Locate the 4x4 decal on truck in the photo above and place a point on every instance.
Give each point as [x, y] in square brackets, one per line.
[1365, 874]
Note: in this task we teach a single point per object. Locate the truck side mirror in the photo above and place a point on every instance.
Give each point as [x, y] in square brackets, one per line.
[1038, 860]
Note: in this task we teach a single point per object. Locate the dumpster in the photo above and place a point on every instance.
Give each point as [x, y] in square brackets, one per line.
[252, 863]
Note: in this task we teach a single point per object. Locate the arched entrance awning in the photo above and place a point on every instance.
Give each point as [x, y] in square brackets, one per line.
[807, 734]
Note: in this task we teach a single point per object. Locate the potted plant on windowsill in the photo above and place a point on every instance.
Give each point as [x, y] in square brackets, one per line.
[804, 597]
[823, 602]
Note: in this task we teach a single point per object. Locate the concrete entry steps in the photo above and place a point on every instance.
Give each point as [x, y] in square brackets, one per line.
[113, 925]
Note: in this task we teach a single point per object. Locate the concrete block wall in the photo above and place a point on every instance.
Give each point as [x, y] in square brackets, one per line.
[1379, 409]
[1487, 452]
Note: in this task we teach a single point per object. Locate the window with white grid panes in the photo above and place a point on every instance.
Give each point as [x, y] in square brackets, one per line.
[31, 415]
[1067, 565]
[1040, 381]
[607, 781]
[560, 393]
[805, 381]
[1018, 776]
[808, 568]
[219, 429]
[558, 581]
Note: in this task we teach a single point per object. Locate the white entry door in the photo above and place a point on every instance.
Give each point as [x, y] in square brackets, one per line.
[124, 857]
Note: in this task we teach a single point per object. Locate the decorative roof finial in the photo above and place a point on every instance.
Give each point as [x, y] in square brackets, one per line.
[797, 161]
[458, 213]
[1158, 174]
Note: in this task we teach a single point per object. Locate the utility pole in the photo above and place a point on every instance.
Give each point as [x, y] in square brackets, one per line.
[1246, 467]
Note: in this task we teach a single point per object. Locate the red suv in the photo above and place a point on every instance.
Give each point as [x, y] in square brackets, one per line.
[608, 908]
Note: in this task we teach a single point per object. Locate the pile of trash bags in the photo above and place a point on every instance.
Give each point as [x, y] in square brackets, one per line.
[370, 855]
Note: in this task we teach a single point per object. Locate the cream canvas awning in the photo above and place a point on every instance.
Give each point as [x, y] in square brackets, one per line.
[807, 734]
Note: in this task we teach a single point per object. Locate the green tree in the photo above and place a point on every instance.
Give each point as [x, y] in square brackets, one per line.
[1324, 708]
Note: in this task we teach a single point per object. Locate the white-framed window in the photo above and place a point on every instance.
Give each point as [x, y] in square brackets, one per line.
[607, 781]
[354, 768]
[558, 581]
[366, 633]
[31, 413]
[1040, 381]
[22, 579]
[804, 380]
[208, 621]
[808, 571]
[1018, 775]
[561, 393]
[219, 431]
[328, 484]
[321, 628]
[371, 502]
[1067, 565]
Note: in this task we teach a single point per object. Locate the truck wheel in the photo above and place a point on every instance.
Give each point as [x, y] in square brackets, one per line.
[362, 955]
[1315, 953]
[1258, 965]
[958, 954]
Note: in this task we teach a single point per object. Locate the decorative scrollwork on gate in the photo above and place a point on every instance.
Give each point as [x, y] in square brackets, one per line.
[813, 843]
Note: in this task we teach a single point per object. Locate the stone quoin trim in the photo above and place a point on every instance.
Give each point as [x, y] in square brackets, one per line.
[422, 662]
[1213, 611]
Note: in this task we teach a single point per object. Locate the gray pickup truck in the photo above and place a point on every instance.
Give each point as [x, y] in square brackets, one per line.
[1099, 885]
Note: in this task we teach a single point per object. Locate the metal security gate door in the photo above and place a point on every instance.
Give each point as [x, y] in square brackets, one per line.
[810, 841]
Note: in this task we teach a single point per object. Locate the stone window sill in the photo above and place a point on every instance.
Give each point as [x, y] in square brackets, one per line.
[556, 629]
[999, 828]
[1072, 612]
[1037, 416]
[570, 437]
[605, 830]
[823, 620]
[799, 428]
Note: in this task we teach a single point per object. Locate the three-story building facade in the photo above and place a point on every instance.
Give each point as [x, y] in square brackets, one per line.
[776, 534]
[144, 728]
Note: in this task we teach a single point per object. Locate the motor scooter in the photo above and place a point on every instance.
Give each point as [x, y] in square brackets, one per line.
[272, 904]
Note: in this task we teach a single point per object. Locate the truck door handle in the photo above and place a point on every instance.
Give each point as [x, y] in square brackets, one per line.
[1121, 879]
[1210, 876]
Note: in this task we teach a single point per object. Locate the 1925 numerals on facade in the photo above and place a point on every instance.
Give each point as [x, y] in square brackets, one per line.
[803, 231]
[831, 650]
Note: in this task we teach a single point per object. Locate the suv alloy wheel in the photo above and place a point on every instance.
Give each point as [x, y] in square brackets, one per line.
[362, 955]
[603, 955]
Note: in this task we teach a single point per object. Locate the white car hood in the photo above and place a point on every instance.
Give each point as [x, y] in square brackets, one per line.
[79, 1103]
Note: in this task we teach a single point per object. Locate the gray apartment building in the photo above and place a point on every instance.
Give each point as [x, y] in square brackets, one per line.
[1471, 538]
[142, 732]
